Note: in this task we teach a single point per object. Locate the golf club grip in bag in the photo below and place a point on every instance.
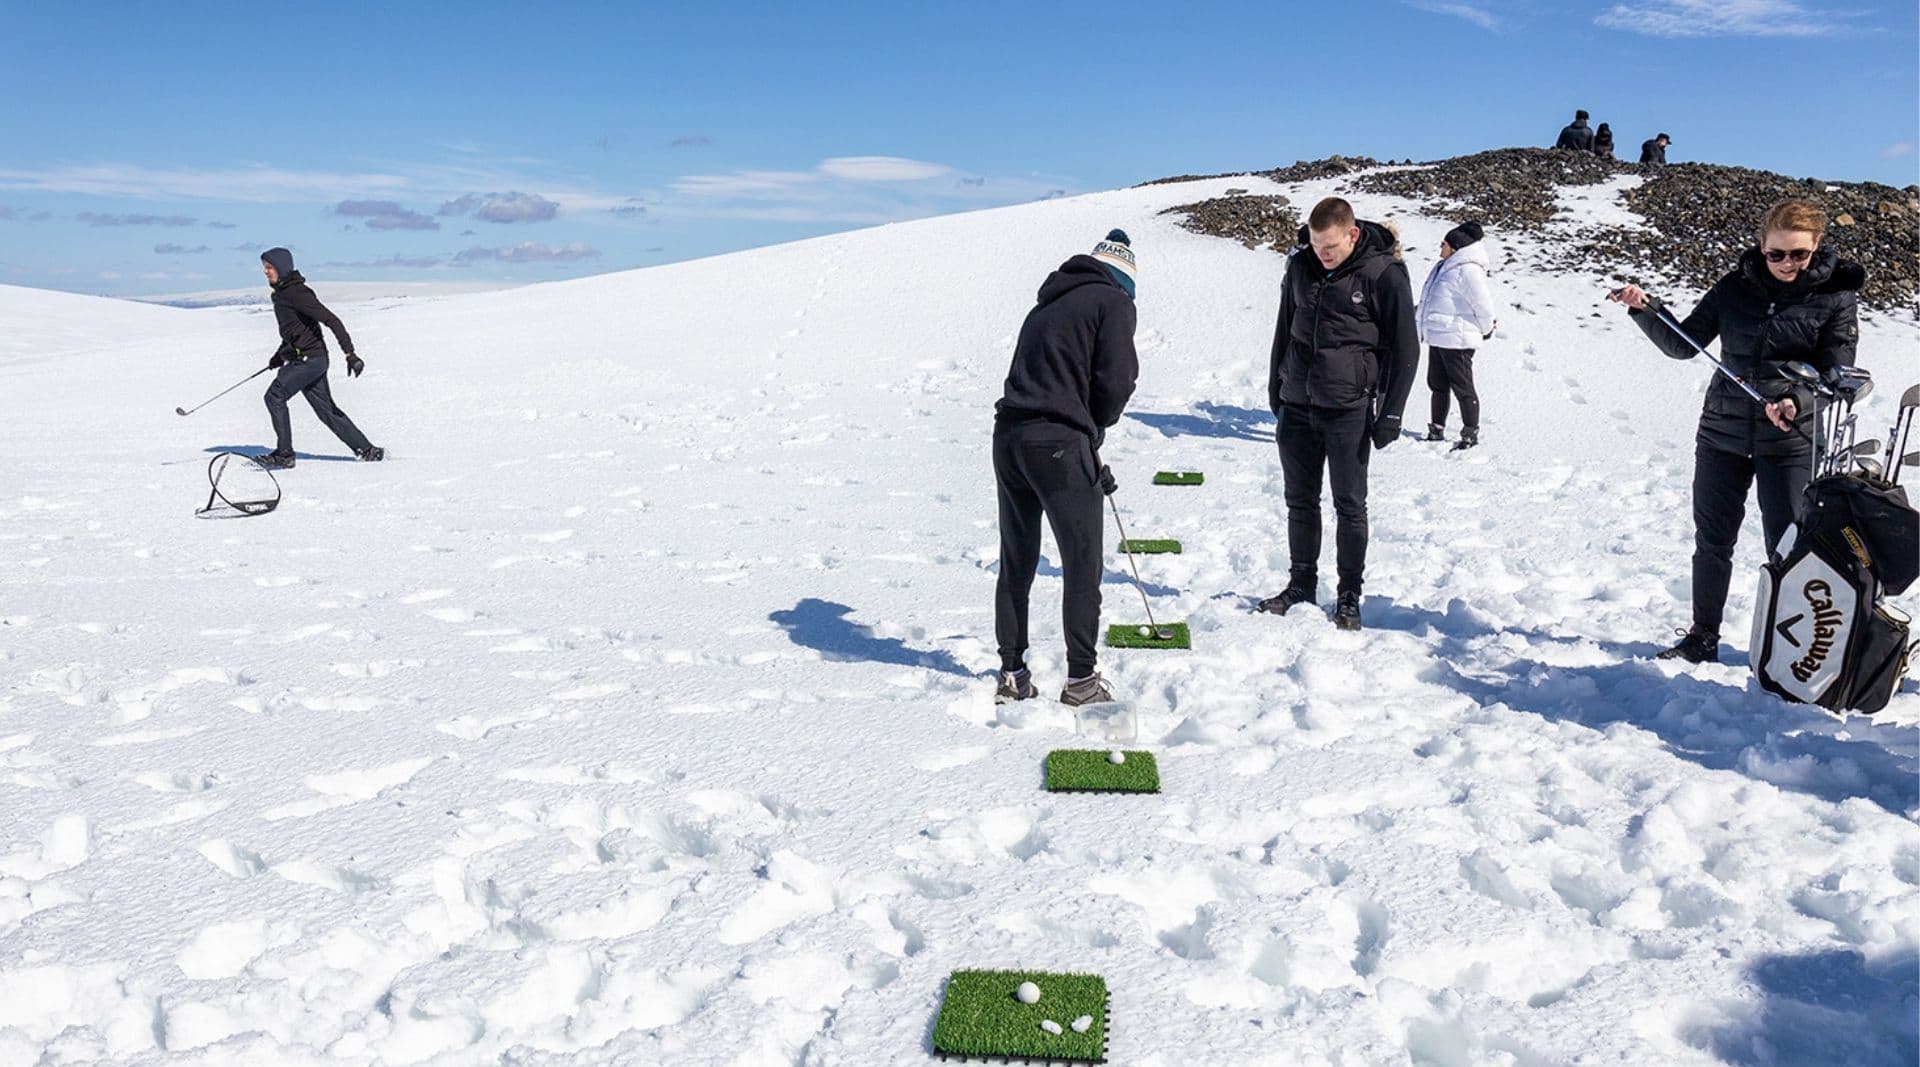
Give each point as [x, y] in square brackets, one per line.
[1821, 632]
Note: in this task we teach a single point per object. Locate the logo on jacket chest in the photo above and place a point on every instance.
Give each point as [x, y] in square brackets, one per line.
[1359, 295]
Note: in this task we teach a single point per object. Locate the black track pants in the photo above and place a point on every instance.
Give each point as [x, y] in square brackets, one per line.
[1450, 370]
[1046, 469]
[310, 377]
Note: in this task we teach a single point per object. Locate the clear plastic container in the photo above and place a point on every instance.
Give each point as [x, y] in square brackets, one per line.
[1112, 722]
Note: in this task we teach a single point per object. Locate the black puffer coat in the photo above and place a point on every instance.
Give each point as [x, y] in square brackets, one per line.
[1761, 323]
[1345, 335]
[1075, 362]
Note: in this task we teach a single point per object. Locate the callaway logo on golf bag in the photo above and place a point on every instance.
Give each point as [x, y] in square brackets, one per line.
[1827, 623]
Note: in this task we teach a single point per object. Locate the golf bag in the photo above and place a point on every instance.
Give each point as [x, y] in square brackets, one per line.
[1822, 633]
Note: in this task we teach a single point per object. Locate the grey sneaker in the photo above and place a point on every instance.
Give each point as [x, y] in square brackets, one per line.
[1090, 690]
[1015, 685]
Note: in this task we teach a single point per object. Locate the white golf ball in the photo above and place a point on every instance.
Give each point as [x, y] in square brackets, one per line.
[1050, 1026]
[1083, 1024]
[1028, 993]
[1116, 756]
[1146, 631]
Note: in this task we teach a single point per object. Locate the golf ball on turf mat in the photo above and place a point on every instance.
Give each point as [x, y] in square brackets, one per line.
[1028, 993]
[1050, 1026]
[1116, 756]
[1146, 631]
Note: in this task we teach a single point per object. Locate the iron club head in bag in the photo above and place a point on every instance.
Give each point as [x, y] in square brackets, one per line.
[1806, 375]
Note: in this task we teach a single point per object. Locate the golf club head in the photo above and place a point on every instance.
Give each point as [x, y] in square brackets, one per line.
[1802, 372]
[1852, 389]
[1867, 466]
[1911, 459]
[1911, 397]
[179, 411]
[1865, 448]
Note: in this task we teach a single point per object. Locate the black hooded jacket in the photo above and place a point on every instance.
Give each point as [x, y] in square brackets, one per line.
[1074, 362]
[1345, 335]
[300, 315]
[1603, 141]
[1652, 151]
[1761, 323]
[1576, 136]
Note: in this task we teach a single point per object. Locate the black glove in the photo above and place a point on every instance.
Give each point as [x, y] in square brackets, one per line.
[1385, 429]
[1107, 484]
[276, 361]
[355, 365]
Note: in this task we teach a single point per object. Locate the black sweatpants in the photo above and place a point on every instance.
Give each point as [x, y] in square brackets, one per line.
[1337, 441]
[1720, 482]
[1450, 370]
[1044, 468]
[309, 376]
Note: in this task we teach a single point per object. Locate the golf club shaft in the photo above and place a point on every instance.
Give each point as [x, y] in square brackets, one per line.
[1667, 319]
[227, 390]
[1131, 564]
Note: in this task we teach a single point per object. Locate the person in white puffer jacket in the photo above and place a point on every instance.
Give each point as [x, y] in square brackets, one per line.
[1456, 314]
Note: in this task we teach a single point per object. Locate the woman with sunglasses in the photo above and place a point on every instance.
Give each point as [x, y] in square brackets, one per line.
[1789, 299]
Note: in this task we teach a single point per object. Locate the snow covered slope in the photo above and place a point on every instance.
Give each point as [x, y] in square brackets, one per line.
[634, 711]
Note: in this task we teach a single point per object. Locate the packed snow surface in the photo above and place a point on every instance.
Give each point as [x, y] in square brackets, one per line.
[638, 710]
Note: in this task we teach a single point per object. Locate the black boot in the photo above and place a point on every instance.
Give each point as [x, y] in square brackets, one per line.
[1015, 685]
[1346, 613]
[372, 454]
[278, 461]
[1287, 598]
[1436, 432]
[1696, 646]
[1469, 436]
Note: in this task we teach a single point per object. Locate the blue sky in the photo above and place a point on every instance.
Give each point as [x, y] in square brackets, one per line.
[149, 148]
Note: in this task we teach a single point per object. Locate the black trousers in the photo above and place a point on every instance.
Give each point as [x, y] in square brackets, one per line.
[1720, 482]
[309, 376]
[1046, 469]
[1450, 370]
[1313, 440]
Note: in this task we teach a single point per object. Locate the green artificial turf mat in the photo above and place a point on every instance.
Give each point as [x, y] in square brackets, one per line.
[1080, 770]
[1149, 546]
[1179, 478]
[981, 1017]
[1131, 637]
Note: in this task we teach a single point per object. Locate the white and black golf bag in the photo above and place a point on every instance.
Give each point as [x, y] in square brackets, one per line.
[1822, 633]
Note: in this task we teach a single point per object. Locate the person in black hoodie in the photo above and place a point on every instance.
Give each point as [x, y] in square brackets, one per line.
[1073, 371]
[302, 362]
[1789, 299]
[1654, 149]
[1345, 351]
[1603, 141]
[1576, 136]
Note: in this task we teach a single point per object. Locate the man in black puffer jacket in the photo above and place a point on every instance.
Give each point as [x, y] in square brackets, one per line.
[1073, 371]
[1788, 300]
[1576, 137]
[302, 362]
[1344, 354]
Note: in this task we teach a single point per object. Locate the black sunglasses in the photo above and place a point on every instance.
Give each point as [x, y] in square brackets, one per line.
[1779, 255]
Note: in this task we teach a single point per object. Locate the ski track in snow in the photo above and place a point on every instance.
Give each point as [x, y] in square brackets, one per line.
[637, 711]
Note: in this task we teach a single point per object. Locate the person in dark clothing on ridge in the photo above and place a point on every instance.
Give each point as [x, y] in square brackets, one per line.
[1603, 141]
[1073, 371]
[1576, 136]
[1789, 299]
[302, 362]
[1655, 150]
[1344, 354]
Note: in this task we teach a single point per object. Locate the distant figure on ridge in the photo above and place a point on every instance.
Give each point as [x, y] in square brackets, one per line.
[1655, 150]
[1345, 350]
[302, 362]
[1603, 141]
[1073, 371]
[1576, 136]
[1456, 314]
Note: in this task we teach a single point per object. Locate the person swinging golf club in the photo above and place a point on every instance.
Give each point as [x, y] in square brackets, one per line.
[1073, 370]
[302, 363]
[1789, 299]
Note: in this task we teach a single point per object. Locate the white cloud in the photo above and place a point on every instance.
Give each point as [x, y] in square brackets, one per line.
[747, 183]
[527, 252]
[882, 169]
[1479, 16]
[503, 207]
[1722, 18]
[1898, 149]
